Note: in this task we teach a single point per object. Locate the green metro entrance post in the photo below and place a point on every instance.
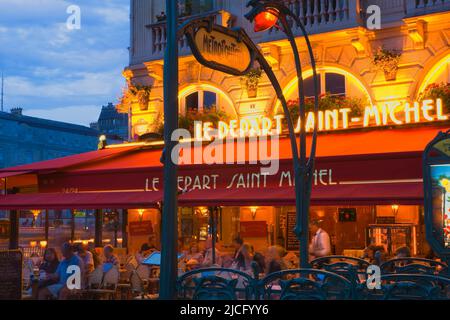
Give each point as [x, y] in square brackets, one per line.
[169, 219]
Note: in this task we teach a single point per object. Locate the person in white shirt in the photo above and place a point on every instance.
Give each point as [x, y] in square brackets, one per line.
[320, 244]
[208, 255]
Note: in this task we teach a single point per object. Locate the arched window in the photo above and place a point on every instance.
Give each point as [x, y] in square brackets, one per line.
[439, 74]
[201, 101]
[332, 81]
[204, 98]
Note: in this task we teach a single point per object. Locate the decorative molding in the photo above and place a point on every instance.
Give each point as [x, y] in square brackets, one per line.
[416, 31]
[272, 55]
[155, 70]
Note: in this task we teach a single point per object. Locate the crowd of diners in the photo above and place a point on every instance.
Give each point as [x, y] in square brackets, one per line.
[53, 273]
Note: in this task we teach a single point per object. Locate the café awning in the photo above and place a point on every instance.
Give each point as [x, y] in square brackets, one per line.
[65, 162]
[94, 200]
[9, 174]
[405, 193]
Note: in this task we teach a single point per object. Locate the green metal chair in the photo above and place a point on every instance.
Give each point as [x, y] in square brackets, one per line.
[414, 266]
[409, 287]
[216, 284]
[305, 284]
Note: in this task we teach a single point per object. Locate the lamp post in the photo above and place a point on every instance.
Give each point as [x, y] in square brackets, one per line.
[266, 14]
[169, 230]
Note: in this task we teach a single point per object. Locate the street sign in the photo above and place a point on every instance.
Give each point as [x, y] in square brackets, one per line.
[220, 48]
[436, 162]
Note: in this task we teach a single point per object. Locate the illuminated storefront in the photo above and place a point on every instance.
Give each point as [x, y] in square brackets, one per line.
[374, 126]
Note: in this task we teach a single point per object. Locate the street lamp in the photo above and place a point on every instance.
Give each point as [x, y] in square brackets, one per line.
[266, 14]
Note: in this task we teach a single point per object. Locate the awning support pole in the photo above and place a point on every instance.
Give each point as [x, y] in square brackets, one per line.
[98, 228]
[14, 218]
[72, 225]
[124, 229]
[212, 222]
[47, 225]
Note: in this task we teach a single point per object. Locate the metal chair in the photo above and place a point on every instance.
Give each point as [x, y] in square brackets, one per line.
[414, 266]
[305, 284]
[353, 269]
[108, 285]
[216, 284]
[138, 288]
[409, 287]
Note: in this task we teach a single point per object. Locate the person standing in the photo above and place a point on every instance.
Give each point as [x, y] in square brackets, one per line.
[320, 245]
[238, 260]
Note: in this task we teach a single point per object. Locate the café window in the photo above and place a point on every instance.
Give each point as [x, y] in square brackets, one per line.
[201, 101]
[331, 83]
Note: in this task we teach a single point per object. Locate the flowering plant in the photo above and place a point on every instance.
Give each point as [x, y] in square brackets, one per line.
[187, 121]
[438, 91]
[328, 102]
[387, 61]
[133, 93]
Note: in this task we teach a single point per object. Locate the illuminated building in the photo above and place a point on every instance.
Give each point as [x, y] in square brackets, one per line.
[380, 116]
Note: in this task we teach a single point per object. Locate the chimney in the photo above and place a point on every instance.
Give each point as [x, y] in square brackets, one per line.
[16, 111]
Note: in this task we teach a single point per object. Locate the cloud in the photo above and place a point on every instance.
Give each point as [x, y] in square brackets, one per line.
[48, 66]
[83, 83]
[83, 115]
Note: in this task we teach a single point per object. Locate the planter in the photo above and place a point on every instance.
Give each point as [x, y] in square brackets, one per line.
[143, 100]
[390, 75]
[252, 91]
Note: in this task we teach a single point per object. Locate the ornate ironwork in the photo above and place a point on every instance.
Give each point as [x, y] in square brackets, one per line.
[305, 284]
[216, 284]
[408, 287]
[414, 266]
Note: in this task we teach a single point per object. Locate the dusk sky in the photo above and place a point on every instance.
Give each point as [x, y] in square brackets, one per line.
[57, 73]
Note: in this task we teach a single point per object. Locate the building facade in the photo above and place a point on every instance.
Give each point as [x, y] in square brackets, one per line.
[384, 96]
[27, 139]
[112, 123]
[380, 77]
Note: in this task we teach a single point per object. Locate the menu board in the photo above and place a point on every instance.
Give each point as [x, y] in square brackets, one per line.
[10, 275]
[292, 242]
[253, 229]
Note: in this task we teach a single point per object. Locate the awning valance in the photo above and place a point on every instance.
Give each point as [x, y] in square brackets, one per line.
[406, 193]
[95, 200]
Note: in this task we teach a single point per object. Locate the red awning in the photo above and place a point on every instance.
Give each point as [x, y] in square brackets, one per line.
[12, 174]
[69, 161]
[59, 201]
[363, 194]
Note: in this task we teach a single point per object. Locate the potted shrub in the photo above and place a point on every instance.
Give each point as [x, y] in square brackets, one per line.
[438, 91]
[250, 82]
[142, 95]
[387, 61]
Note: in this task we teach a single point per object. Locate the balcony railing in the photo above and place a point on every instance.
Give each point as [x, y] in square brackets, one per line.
[318, 16]
[323, 15]
[159, 35]
[418, 7]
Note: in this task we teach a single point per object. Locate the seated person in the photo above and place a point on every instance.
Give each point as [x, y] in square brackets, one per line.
[208, 255]
[275, 261]
[194, 253]
[145, 251]
[59, 289]
[48, 267]
[110, 259]
[403, 252]
[87, 257]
